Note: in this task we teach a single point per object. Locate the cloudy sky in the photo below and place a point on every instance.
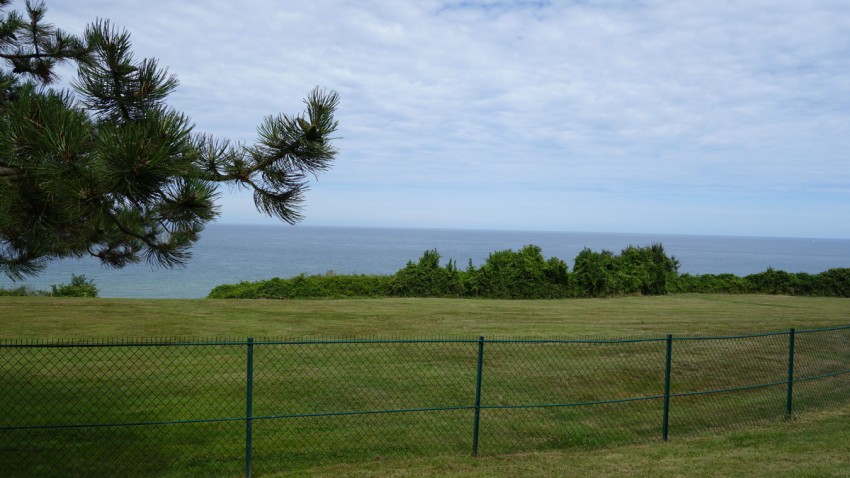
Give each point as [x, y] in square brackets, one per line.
[692, 116]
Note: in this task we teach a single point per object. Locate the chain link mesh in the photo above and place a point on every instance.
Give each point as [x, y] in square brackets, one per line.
[821, 368]
[727, 382]
[550, 394]
[373, 398]
[181, 408]
[66, 403]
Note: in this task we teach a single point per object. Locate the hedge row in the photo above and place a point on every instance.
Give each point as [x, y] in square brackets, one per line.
[831, 283]
[305, 287]
[80, 286]
[526, 274]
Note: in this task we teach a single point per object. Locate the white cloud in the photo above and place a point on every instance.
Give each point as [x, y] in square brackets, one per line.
[601, 103]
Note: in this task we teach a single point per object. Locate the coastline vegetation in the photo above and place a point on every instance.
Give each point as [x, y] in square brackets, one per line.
[526, 274]
[80, 286]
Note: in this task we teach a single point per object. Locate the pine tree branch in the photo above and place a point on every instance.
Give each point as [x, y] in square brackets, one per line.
[126, 230]
[30, 56]
[9, 172]
[117, 172]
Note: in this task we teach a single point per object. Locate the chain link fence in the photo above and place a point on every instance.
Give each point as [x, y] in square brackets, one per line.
[252, 407]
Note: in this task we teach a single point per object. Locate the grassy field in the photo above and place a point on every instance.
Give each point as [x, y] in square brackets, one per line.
[91, 385]
[45, 318]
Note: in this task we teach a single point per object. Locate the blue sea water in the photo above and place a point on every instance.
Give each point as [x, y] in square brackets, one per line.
[231, 253]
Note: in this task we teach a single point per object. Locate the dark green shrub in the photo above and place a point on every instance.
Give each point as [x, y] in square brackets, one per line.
[21, 291]
[770, 281]
[661, 269]
[595, 274]
[802, 284]
[242, 290]
[557, 273]
[340, 286]
[637, 270]
[524, 274]
[306, 287]
[709, 284]
[427, 279]
[832, 283]
[80, 286]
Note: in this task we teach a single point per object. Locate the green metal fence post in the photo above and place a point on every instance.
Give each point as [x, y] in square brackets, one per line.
[789, 401]
[249, 408]
[477, 420]
[665, 427]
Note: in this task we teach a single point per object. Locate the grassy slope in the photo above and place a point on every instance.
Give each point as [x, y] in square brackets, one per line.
[44, 317]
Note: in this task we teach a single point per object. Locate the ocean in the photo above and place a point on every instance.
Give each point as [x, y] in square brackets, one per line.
[233, 253]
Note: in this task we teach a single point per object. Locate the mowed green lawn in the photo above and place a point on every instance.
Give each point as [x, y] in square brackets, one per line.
[815, 445]
[711, 435]
[49, 318]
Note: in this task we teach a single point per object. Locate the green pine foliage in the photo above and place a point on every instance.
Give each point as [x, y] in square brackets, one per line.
[109, 169]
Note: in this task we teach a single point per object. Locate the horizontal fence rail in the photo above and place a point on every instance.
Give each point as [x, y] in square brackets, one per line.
[225, 407]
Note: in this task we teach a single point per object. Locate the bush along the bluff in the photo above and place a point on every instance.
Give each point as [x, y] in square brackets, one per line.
[330, 286]
[830, 283]
[80, 286]
[507, 274]
[637, 270]
[21, 291]
[427, 278]
[524, 274]
[527, 274]
[710, 284]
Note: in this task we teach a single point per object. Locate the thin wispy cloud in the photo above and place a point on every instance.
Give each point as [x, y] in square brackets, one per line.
[652, 116]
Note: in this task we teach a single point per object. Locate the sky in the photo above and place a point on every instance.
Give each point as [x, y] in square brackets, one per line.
[673, 117]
